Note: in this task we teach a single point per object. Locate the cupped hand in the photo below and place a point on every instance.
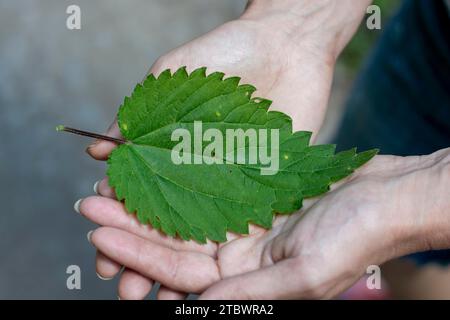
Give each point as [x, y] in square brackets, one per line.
[315, 253]
[295, 75]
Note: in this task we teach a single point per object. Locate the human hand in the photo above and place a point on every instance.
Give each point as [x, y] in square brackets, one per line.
[391, 207]
[382, 211]
[285, 48]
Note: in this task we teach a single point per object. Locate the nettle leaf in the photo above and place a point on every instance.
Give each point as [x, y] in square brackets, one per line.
[200, 201]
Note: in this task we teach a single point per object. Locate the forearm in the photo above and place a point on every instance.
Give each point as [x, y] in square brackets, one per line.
[328, 25]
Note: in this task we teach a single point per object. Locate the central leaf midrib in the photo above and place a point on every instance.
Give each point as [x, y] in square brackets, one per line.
[256, 126]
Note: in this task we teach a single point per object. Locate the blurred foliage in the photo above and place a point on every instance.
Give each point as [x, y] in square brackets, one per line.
[361, 44]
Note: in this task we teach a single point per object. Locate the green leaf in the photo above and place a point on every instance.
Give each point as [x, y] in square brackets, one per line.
[200, 201]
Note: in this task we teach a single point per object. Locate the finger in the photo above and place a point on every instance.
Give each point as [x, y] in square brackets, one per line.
[274, 282]
[106, 268]
[112, 213]
[102, 188]
[100, 149]
[177, 270]
[133, 285]
[165, 293]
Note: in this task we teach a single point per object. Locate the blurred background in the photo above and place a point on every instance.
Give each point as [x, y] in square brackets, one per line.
[50, 75]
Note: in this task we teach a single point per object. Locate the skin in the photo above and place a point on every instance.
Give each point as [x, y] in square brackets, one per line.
[287, 49]
[320, 247]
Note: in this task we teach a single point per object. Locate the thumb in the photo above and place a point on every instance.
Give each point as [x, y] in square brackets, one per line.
[100, 149]
[278, 281]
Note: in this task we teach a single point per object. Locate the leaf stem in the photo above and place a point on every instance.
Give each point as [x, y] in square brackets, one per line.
[90, 134]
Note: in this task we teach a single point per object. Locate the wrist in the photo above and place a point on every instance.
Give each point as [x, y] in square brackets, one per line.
[323, 26]
[423, 219]
[435, 199]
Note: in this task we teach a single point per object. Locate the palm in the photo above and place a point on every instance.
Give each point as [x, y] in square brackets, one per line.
[294, 77]
[325, 248]
[241, 254]
[233, 48]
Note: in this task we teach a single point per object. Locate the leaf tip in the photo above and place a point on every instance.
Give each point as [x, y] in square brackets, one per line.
[365, 156]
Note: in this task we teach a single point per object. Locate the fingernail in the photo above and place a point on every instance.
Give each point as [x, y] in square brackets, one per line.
[76, 205]
[89, 235]
[118, 298]
[103, 278]
[93, 144]
[96, 187]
